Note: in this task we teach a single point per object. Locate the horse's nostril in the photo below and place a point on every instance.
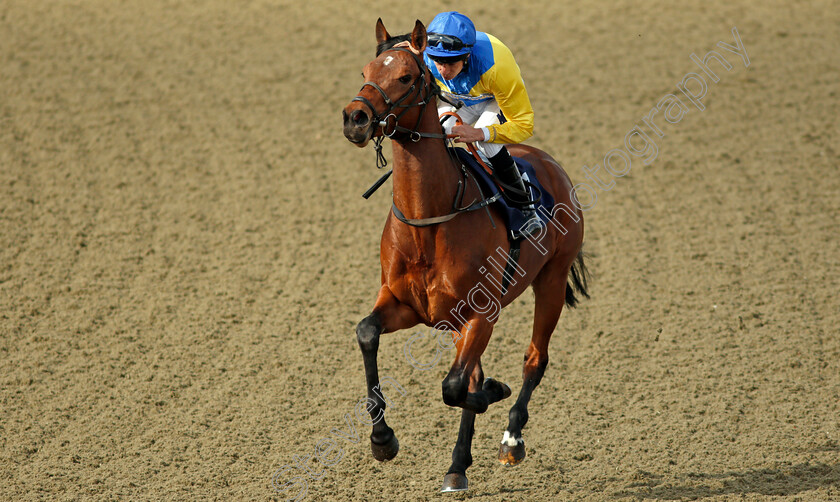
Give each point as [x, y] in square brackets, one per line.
[359, 118]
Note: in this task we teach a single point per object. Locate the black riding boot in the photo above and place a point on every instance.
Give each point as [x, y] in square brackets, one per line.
[506, 172]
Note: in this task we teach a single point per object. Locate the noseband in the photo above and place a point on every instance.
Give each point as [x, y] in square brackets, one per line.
[423, 93]
[416, 95]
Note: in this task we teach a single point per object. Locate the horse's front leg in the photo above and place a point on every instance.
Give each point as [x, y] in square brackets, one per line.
[388, 315]
[456, 477]
[466, 387]
[470, 344]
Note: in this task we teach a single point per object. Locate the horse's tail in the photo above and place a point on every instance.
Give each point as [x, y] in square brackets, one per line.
[577, 280]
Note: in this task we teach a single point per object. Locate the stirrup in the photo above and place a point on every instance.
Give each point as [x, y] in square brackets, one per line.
[533, 224]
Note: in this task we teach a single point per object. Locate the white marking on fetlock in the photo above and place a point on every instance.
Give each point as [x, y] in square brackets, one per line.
[511, 441]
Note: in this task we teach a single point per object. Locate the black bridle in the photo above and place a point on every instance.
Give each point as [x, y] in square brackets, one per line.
[419, 94]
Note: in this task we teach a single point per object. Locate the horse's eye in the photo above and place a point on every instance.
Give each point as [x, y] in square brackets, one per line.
[405, 79]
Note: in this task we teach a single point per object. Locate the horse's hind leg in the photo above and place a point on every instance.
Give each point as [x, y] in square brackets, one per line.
[549, 293]
[388, 315]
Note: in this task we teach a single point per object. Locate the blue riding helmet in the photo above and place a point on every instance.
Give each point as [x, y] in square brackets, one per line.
[451, 34]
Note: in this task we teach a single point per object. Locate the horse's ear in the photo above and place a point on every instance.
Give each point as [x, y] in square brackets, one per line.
[381, 33]
[418, 37]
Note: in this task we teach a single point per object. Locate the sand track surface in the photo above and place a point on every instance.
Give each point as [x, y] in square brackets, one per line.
[185, 255]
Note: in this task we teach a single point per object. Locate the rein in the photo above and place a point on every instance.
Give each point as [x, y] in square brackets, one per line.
[429, 90]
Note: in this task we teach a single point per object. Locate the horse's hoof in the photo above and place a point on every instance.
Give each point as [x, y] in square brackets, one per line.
[502, 389]
[506, 392]
[511, 455]
[387, 451]
[454, 482]
[512, 450]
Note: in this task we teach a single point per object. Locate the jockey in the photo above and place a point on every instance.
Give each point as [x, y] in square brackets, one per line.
[478, 70]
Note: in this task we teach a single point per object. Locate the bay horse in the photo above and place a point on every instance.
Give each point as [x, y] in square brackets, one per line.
[430, 271]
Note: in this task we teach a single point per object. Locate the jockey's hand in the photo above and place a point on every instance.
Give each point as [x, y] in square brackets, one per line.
[467, 134]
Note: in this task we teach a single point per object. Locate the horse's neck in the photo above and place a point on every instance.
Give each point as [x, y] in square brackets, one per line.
[425, 181]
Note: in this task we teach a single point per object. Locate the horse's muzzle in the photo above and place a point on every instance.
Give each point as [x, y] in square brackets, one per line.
[357, 125]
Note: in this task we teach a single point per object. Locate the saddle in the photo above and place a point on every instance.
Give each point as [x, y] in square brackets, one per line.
[514, 219]
[491, 193]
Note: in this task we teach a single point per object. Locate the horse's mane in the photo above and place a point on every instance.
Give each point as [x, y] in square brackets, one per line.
[384, 46]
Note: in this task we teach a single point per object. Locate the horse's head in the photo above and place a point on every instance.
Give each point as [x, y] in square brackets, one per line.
[397, 87]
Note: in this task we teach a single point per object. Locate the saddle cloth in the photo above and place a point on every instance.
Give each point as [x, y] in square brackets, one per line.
[514, 220]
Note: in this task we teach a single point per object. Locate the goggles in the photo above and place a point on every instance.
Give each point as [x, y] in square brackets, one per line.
[447, 42]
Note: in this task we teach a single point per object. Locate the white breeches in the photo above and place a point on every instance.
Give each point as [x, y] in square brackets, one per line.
[480, 115]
